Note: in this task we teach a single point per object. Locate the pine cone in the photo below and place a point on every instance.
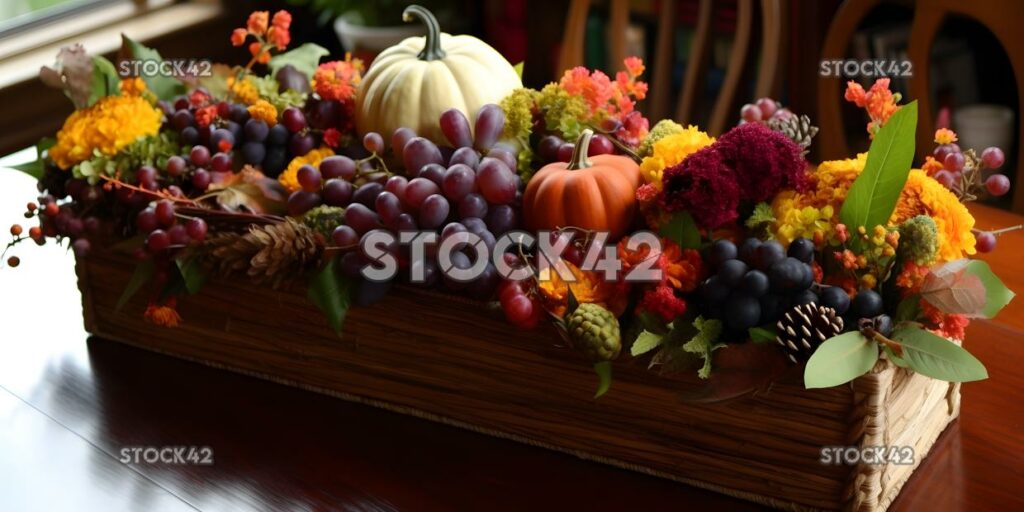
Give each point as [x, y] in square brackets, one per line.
[595, 331]
[267, 254]
[799, 129]
[804, 327]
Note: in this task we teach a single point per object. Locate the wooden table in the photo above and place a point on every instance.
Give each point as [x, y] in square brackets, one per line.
[70, 404]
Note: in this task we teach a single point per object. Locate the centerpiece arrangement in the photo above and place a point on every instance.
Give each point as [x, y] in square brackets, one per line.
[434, 183]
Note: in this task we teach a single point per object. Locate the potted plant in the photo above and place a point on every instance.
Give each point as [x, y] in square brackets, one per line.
[366, 28]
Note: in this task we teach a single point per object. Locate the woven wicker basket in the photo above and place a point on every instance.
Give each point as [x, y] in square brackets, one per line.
[450, 360]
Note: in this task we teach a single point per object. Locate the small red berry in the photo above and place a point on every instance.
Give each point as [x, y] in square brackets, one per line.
[13, 261]
[31, 207]
[35, 232]
[16, 230]
[51, 209]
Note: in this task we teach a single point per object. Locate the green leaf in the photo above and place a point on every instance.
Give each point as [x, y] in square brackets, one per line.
[604, 377]
[897, 360]
[682, 230]
[193, 274]
[762, 214]
[839, 360]
[873, 195]
[34, 168]
[909, 309]
[332, 293]
[519, 69]
[705, 342]
[164, 87]
[105, 81]
[997, 295]
[762, 334]
[646, 342]
[571, 303]
[143, 272]
[37, 167]
[305, 58]
[932, 355]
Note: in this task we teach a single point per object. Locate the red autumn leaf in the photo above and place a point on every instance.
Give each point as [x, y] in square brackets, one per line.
[953, 290]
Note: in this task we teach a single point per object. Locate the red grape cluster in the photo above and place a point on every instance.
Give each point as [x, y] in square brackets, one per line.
[964, 173]
[469, 187]
[163, 232]
[763, 110]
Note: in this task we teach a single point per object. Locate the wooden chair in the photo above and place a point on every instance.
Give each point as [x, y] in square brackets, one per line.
[1004, 18]
[723, 112]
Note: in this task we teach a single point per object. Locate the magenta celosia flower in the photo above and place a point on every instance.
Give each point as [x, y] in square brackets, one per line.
[765, 161]
[703, 186]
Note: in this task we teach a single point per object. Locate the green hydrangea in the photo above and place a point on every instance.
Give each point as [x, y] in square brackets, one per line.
[324, 219]
[663, 129]
[563, 112]
[919, 240]
[152, 150]
[518, 107]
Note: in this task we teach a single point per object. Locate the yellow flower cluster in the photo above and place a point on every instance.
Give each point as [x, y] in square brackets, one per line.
[244, 90]
[289, 178]
[670, 151]
[921, 195]
[133, 87]
[802, 222]
[109, 125]
[264, 111]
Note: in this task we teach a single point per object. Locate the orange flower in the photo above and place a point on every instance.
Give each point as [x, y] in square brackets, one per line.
[947, 326]
[257, 23]
[165, 315]
[238, 36]
[910, 279]
[133, 86]
[945, 136]
[206, 115]
[589, 287]
[931, 166]
[279, 37]
[337, 80]
[681, 269]
[855, 93]
[282, 20]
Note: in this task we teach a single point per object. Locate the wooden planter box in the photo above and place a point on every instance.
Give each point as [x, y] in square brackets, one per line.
[450, 360]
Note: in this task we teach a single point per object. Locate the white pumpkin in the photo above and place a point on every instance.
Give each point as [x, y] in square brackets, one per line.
[412, 83]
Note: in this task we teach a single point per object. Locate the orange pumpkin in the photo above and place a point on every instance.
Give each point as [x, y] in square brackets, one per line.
[595, 193]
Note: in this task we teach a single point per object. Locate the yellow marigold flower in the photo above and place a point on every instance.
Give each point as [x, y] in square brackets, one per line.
[670, 151]
[923, 195]
[133, 87]
[945, 136]
[265, 111]
[244, 90]
[289, 178]
[109, 125]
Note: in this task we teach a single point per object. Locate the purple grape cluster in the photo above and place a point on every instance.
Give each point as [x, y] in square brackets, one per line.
[763, 110]
[469, 186]
[754, 283]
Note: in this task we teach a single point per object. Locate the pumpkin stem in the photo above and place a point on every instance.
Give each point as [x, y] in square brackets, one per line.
[579, 158]
[432, 49]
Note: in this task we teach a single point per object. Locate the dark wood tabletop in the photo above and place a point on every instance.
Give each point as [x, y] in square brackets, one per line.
[71, 406]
